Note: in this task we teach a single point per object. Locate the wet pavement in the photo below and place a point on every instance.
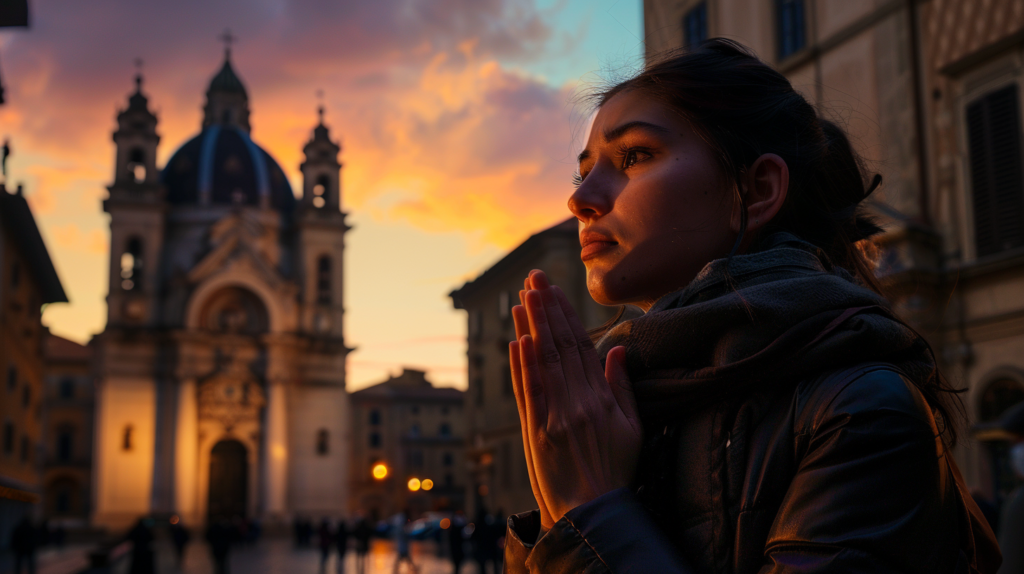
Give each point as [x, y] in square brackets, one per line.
[279, 556]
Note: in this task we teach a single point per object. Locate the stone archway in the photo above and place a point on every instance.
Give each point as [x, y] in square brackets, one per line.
[229, 480]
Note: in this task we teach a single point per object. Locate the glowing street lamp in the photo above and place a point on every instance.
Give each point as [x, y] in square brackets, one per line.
[427, 484]
[414, 484]
[380, 470]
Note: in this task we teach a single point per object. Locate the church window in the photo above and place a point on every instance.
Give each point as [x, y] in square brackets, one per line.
[64, 445]
[320, 191]
[126, 438]
[131, 265]
[137, 165]
[67, 388]
[997, 174]
[789, 26]
[323, 280]
[321, 442]
[8, 437]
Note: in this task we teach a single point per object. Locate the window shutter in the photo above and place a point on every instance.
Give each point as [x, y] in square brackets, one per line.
[997, 179]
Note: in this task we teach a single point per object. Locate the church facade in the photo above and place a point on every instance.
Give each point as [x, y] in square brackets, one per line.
[221, 372]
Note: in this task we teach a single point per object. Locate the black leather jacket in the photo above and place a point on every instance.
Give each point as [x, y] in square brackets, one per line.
[840, 473]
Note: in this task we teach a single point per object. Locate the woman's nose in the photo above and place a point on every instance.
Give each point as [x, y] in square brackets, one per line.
[590, 201]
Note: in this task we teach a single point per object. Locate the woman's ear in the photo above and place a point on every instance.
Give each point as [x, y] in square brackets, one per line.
[764, 188]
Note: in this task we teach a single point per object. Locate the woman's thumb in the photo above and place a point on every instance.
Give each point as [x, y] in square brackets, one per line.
[622, 388]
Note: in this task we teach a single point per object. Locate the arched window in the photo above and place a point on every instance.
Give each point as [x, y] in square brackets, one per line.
[323, 280]
[131, 265]
[126, 438]
[320, 191]
[137, 165]
[321, 442]
[998, 397]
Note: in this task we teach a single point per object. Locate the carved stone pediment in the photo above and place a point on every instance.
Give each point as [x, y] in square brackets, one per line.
[230, 399]
[247, 239]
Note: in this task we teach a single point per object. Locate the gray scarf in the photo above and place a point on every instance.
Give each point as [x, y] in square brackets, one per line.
[756, 319]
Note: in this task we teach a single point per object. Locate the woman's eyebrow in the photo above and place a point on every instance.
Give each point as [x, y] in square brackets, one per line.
[616, 133]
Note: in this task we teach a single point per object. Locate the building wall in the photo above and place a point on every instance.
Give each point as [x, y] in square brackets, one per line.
[67, 479]
[22, 377]
[410, 442]
[318, 482]
[124, 471]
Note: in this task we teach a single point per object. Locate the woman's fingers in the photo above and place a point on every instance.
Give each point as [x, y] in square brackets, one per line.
[515, 364]
[547, 356]
[521, 320]
[535, 399]
[588, 354]
[621, 387]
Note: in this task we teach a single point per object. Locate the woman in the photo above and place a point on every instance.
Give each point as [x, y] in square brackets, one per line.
[768, 412]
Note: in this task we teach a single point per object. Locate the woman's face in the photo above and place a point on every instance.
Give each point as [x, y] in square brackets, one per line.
[653, 205]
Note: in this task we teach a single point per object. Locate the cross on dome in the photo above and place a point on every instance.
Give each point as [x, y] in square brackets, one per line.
[228, 38]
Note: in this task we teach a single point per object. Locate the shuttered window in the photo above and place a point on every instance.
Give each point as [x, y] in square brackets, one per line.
[997, 181]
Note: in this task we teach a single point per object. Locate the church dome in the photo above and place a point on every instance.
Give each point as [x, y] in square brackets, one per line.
[223, 166]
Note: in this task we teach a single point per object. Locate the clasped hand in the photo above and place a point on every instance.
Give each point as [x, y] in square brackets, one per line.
[581, 431]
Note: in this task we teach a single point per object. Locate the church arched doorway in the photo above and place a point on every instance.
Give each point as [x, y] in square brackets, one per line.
[229, 473]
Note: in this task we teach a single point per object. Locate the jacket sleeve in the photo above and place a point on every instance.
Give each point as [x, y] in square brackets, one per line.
[872, 491]
[612, 533]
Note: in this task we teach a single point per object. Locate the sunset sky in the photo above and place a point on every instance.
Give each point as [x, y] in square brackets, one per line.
[457, 120]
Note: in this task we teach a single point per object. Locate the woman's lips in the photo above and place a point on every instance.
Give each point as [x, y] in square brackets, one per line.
[595, 248]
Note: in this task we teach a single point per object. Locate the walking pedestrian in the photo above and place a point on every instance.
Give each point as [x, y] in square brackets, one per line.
[457, 541]
[341, 542]
[24, 540]
[401, 533]
[141, 537]
[179, 536]
[326, 542]
[362, 533]
[219, 536]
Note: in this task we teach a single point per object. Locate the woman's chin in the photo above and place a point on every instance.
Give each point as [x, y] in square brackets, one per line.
[604, 291]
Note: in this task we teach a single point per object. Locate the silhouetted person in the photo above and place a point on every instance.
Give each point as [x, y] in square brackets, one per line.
[400, 522]
[23, 542]
[485, 541]
[362, 533]
[219, 537]
[456, 542]
[341, 541]
[326, 541]
[179, 536]
[141, 536]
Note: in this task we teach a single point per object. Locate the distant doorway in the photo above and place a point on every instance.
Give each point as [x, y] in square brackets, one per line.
[229, 480]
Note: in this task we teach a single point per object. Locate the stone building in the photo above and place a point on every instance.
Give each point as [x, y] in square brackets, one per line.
[417, 432]
[499, 478]
[220, 385]
[27, 282]
[931, 93]
[68, 393]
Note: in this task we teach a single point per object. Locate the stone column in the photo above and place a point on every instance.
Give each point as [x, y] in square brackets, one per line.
[275, 460]
[186, 453]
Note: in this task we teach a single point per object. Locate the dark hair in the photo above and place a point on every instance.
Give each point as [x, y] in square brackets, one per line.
[742, 109]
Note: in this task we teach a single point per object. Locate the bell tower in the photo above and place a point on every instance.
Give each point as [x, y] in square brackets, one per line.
[136, 208]
[322, 230]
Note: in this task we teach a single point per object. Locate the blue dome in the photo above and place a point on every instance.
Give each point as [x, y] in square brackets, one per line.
[223, 164]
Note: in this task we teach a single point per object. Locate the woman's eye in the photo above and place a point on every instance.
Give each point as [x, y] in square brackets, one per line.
[634, 157]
